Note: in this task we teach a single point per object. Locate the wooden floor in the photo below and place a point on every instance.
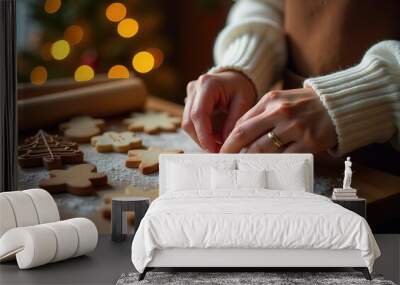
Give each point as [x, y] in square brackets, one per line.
[102, 266]
[106, 264]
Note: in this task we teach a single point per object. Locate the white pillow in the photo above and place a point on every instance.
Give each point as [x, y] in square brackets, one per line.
[281, 175]
[182, 177]
[225, 179]
[251, 178]
[186, 176]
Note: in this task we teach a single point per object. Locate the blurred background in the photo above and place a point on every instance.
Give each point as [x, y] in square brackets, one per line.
[165, 42]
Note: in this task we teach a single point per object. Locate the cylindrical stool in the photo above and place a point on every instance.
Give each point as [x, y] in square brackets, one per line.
[120, 205]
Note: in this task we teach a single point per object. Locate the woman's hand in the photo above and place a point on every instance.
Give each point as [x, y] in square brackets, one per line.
[230, 92]
[297, 117]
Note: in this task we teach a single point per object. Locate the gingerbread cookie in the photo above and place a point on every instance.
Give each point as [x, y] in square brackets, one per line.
[152, 122]
[106, 211]
[78, 180]
[117, 142]
[106, 214]
[82, 129]
[130, 191]
[151, 193]
[146, 159]
[49, 151]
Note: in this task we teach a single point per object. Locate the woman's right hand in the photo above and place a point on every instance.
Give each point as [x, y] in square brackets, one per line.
[230, 92]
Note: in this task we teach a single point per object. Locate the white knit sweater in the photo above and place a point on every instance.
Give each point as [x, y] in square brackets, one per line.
[363, 101]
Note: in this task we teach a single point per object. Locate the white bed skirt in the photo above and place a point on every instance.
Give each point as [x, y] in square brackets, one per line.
[225, 257]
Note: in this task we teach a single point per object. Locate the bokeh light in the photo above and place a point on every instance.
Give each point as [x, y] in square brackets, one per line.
[127, 28]
[158, 56]
[38, 75]
[84, 73]
[115, 12]
[118, 71]
[73, 34]
[143, 62]
[45, 51]
[60, 49]
[52, 6]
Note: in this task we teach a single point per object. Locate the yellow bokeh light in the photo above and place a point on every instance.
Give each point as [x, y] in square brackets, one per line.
[127, 28]
[73, 34]
[84, 73]
[60, 49]
[158, 56]
[38, 75]
[52, 6]
[143, 62]
[118, 71]
[115, 12]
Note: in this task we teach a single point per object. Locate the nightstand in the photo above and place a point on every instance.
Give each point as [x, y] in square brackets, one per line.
[358, 206]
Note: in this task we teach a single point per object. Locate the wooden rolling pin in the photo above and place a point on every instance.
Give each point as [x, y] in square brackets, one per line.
[53, 86]
[100, 100]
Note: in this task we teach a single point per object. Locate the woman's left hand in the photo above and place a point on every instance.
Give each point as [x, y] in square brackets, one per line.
[296, 117]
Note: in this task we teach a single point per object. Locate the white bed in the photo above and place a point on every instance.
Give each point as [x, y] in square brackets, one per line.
[288, 226]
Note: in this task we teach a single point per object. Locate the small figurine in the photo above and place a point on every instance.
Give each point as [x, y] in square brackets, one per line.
[347, 192]
[347, 174]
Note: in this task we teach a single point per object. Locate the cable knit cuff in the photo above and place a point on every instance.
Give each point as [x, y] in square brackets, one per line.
[259, 57]
[360, 103]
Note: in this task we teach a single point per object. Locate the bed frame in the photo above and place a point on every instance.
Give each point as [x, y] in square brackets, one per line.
[249, 259]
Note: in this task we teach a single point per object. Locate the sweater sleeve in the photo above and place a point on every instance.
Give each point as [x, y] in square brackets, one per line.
[364, 101]
[253, 42]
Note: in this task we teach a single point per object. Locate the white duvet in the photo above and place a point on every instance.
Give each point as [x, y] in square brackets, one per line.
[250, 219]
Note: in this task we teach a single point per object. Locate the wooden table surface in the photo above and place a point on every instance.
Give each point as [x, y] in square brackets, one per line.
[112, 164]
[380, 189]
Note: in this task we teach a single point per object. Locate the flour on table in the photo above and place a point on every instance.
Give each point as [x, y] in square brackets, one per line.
[119, 176]
[113, 164]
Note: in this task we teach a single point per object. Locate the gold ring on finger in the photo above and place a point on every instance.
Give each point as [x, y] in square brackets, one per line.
[275, 139]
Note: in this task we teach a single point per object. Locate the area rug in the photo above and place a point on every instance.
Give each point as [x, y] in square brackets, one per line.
[243, 278]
